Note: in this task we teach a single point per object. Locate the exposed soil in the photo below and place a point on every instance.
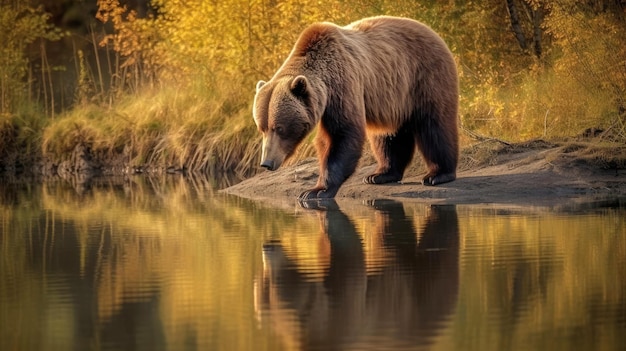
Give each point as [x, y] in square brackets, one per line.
[537, 173]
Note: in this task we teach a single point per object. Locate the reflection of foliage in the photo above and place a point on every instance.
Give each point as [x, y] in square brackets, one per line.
[530, 274]
[199, 252]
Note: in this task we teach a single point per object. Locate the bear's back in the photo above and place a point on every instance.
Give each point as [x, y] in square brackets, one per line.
[384, 40]
[380, 62]
[397, 58]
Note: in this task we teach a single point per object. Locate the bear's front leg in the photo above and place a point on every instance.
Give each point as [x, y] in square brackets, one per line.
[332, 175]
[339, 156]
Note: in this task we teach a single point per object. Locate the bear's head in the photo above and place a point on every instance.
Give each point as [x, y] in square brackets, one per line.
[285, 111]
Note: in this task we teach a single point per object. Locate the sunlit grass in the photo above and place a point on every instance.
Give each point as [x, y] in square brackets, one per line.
[547, 105]
[202, 128]
[160, 101]
[194, 127]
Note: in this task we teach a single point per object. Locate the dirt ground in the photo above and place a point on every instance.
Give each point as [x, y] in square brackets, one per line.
[537, 173]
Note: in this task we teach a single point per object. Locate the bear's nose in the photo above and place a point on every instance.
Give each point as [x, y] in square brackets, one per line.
[268, 164]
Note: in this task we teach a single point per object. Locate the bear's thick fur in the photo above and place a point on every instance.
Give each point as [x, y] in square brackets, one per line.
[391, 80]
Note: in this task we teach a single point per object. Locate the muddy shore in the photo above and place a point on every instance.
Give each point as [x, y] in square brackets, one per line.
[536, 173]
[555, 174]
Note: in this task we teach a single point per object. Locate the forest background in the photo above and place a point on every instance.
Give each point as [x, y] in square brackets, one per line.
[170, 83]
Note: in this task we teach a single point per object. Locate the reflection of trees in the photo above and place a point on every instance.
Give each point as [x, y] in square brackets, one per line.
[167, 262]
[402, 302]
[543, 279]
[127, 263]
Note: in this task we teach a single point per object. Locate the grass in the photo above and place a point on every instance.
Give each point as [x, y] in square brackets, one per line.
[20, 134]
[196, 129]
[208, 130]
[550, 105]
[204, 128]
[205, 125]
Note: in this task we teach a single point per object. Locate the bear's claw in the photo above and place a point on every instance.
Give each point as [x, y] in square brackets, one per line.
[436, 179]
[381, 178]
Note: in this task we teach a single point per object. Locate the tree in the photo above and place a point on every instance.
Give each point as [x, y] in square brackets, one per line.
[534, 13]
[20, 26]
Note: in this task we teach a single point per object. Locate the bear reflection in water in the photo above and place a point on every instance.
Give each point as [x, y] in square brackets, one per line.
[404, 302]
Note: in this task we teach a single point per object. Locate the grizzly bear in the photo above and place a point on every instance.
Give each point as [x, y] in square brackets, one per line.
[388, 79]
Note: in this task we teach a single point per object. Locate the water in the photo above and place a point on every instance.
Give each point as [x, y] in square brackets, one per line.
[170, 264]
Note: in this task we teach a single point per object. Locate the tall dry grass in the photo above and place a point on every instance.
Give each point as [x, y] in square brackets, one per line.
[174, 91]
[195, 127]
[540, 105]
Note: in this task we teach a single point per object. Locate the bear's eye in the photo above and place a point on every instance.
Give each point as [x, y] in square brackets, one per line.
[279, 129]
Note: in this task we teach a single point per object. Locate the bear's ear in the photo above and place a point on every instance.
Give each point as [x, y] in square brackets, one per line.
[259, 85]
[299, 86]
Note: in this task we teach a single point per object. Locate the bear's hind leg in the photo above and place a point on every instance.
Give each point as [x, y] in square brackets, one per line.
[433, 178]
[393, 153]
[438, 144]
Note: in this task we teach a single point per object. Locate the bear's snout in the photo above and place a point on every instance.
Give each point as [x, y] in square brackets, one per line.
[268, 164]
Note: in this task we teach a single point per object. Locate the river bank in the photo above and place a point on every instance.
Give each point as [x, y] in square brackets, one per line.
[537, 173]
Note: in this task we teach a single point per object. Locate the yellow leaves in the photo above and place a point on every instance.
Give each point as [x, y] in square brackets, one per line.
[239, 36]
[111, 11]
[20, 25]
[592, 47]
[196, 40]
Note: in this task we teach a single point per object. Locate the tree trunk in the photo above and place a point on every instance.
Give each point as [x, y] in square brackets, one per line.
[537, 18]
[515, 24]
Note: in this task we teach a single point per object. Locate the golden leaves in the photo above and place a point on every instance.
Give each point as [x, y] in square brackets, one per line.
[581, 44]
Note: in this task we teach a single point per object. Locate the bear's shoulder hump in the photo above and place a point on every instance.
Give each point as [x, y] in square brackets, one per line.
[316, 33]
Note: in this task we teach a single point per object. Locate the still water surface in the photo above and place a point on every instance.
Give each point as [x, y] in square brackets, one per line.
[170, 264]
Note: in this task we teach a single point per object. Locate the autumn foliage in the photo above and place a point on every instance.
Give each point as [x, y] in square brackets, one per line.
[542, 63]
[528, 68]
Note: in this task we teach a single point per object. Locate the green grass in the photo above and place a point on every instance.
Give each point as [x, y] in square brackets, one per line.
[20, 133]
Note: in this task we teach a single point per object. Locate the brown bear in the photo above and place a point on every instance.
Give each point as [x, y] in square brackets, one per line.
[390, 79]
